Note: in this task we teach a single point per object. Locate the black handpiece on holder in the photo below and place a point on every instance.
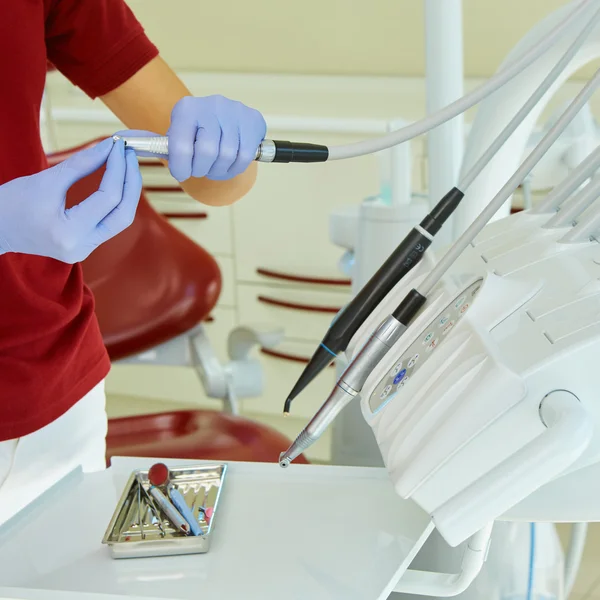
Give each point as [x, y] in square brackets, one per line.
[404, 258]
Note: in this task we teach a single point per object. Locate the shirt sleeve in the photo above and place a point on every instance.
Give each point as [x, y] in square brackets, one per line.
[97, 44]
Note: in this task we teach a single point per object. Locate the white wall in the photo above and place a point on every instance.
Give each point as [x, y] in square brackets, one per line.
[352, 37]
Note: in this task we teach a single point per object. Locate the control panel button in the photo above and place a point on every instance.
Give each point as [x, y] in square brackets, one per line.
[475, 290]
[464, 308]
[428, 338]
[444, 320]
[432, 345]
[448, 327]
[397, 369]
[460, 302]
[412, 361]
[399, 377]
[385, 393]
[403, 382]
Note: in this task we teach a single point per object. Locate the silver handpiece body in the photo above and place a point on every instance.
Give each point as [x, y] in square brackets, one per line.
[159, 146]
[347, 388]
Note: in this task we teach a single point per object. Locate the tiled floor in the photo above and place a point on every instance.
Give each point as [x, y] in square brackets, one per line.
[587, 586]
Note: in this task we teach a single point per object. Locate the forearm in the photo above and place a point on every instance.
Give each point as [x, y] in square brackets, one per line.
[145, 102]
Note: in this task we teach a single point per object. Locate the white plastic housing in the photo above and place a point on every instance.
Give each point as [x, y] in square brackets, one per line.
[461, 430]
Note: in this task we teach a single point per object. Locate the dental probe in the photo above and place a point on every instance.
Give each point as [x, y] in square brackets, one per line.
[410, 251]
[269, 150]
[393, 327]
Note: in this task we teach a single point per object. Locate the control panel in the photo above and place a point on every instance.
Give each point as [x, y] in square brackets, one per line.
[422, 348]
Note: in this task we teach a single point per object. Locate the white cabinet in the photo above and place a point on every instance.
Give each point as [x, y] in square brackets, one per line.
[304, 313]
[209, 226]
[282, 367]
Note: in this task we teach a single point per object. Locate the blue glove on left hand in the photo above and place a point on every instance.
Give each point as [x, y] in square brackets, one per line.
[211, 137]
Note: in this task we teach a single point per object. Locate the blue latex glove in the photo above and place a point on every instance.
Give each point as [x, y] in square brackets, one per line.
[211, 137]
[33, 218]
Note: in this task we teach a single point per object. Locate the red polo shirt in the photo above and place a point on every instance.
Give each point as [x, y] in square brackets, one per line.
[51, 351]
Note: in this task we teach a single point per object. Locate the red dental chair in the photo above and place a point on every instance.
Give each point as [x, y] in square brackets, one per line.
[152, 284]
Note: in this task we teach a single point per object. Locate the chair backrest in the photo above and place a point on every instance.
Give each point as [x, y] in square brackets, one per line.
[151, 282]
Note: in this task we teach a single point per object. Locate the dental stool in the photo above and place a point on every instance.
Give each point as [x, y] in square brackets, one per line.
[153, 288]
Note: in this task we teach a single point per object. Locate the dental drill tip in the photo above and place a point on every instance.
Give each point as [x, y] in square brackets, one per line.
[300, 444]
[287, 406]
[116, 138]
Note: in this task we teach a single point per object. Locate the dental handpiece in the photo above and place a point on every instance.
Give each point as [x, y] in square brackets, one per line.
[348, 386]
[277, 151]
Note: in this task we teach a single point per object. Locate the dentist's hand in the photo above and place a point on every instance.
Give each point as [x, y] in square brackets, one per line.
[213, 137]
[33, 218]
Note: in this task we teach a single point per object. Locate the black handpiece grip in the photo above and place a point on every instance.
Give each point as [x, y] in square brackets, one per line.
[299, 152]
[409, 307]
[402, 260]
[441, 211]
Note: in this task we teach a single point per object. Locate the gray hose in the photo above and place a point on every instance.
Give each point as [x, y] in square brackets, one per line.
[532, 101]
[574, 206]
[510, 186]
[569, 184]
[587, 227]
[462, 104]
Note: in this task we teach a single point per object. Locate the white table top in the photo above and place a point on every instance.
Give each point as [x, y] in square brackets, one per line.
[307, 532]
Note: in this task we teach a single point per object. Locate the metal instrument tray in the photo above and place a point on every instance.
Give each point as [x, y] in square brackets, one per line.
[139, 529]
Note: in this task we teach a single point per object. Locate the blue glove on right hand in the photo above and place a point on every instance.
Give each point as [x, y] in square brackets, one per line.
[33, 218]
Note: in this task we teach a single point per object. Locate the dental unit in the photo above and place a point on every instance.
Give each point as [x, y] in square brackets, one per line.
[473, 372]
[392, 329]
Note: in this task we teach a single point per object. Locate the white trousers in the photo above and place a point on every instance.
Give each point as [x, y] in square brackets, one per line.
[32, 464]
